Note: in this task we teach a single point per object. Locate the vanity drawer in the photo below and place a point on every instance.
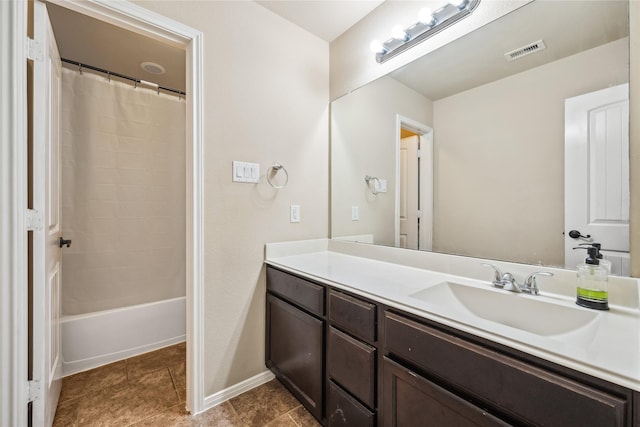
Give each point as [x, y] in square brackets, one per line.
[306, 294]
[519, 391]
[343, 410]
[352, 364]
[353, 315]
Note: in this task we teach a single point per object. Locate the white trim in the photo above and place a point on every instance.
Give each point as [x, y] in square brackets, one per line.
[142, 21]
[13, 205]
[237, 389]
[426, 178]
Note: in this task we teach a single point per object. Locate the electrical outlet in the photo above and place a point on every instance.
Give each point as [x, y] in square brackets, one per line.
[295, 213]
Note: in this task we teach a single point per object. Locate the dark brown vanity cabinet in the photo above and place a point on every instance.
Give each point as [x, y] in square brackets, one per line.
[352, 359]
[484, 386]
[295, 337]
[356, 363]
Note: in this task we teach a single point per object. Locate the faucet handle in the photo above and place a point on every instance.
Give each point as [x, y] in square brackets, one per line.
[530, 282]
[497, 280]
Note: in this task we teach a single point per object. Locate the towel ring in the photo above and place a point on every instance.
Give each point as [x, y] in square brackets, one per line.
[368, 180]
[273, 170]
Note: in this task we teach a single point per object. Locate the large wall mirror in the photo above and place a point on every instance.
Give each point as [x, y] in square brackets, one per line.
[472, 152]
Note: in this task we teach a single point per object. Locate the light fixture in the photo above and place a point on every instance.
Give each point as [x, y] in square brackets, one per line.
[376, 47]
[429, 23]
[425, 16]
[398, 33]
[153, 68]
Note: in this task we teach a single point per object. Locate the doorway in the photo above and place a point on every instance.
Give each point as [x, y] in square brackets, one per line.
[160, 28]
[414, 185]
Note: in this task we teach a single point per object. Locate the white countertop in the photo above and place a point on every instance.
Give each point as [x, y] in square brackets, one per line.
[607, 347]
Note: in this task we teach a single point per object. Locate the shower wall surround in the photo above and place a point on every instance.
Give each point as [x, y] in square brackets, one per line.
[123, 194]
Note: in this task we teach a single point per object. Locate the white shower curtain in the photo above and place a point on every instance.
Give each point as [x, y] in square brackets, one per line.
[123, 194]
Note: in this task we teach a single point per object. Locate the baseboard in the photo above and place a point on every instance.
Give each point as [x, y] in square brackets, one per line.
[237, 389]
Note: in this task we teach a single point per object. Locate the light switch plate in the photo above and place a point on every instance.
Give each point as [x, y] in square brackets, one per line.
[295, 213]
[246, 172]
[355, 213]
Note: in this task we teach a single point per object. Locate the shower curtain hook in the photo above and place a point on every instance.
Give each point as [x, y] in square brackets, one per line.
[158, 90]
[135, 84]
[80, 68]
[109, 75]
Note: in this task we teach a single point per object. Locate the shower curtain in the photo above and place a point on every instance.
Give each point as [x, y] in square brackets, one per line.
[123, 194]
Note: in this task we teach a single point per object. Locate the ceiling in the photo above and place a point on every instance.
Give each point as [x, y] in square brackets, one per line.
[92, 42]
[566, 27]
[98, 44]
[327, 19]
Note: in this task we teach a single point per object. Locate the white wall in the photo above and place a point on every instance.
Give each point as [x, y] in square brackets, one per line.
[511, 207]
[266, 86]
[363, 138]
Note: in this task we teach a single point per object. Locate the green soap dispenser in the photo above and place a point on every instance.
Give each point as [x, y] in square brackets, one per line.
[592, 282]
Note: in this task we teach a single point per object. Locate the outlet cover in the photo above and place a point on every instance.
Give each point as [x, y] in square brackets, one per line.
[295, 213]
[355, 213]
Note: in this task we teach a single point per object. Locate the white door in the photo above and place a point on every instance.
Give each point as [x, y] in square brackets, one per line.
[46, 199]
[409, 192]
[597, 175]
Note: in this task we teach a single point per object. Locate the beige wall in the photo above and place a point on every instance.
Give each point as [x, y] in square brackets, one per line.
[352, 63]
[634, 135]
[266, 87]
[363, 138]
[499, 158]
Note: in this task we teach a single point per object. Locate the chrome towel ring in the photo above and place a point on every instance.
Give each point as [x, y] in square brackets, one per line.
[273, 171]
[376, 183]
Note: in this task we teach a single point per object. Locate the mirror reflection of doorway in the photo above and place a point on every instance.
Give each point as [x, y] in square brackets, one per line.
[414, 195]
[409, 189]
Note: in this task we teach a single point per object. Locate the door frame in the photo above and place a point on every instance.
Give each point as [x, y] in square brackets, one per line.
[13, 186]
[425, 237]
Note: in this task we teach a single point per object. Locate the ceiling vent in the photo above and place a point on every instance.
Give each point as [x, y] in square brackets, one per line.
[525, 50]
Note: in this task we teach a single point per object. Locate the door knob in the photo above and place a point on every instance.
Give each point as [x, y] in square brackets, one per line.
[575, 234]
[64, 242]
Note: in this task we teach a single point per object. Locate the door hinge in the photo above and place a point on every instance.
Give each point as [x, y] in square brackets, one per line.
[419, 214]
[34, 50]
[419, 153]
[33, 220]
[33, 390]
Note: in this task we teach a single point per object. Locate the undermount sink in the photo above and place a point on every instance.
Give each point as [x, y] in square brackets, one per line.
[506, 308]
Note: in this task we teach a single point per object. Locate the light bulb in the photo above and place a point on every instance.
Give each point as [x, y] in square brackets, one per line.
[425, 16]
[398, 33]
[458, 3]
[377, 47]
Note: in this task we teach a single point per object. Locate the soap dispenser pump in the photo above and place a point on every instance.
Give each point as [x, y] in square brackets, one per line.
[592, 289]
[603, 261]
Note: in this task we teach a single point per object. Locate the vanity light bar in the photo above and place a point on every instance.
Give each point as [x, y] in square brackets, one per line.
[442, 18]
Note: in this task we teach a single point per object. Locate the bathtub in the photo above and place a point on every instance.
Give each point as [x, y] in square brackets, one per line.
[95, 339]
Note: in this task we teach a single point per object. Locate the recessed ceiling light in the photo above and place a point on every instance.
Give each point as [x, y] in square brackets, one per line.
[153, 68]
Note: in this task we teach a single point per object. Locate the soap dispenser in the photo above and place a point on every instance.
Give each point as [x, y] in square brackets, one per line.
[592, 282]
[603, 261]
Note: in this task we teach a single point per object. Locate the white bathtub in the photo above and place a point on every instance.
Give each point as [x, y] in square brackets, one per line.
[94, 339]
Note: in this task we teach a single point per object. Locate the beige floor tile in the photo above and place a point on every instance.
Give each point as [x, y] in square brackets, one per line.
[67, 414]
[155, 360]
[179, 376]
[282, 421]
[147, 395]
[263, 404]
[303, 418]
[94, 380]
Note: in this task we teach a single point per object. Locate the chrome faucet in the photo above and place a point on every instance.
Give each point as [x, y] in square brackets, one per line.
[507, 282]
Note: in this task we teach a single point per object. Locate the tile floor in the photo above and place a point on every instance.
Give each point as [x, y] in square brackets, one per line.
[150, 390]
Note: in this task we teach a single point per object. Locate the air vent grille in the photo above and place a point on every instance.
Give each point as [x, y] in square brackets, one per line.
[525, 50]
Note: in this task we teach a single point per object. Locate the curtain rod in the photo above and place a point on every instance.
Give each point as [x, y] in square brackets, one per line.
[122, 76]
